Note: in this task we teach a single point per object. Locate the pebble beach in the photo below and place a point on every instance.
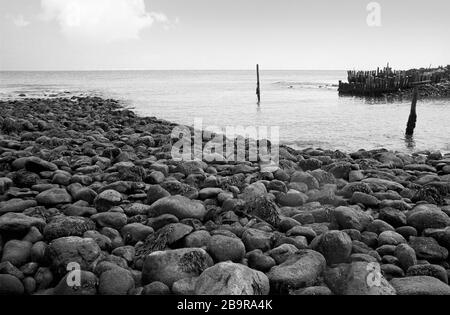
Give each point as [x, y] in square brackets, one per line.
[85, 182]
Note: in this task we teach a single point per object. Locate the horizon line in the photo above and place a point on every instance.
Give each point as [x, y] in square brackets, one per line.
[181, 69]
[212, 69]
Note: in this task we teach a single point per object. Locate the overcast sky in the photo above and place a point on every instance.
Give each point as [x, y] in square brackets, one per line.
[221, 34]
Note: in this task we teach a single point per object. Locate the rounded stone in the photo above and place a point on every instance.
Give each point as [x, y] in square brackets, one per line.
[427, 216]
[63, 251]
[257, 260]
[420, 285]
[156, 288]
[173, 265]
[406, 256]
[197, 239]
[390, 238]
[224, 248]
[135, 232]
[335, 246]
[435, 271]
[116, 281]
[301, 270]
[115, 220]
[17, 252]
[227, 278]
[18, 222]
[53, 197]
[10, 285]
[257, 239]
[107, 199]
[87, 286]
[67, 226]
[179, 206]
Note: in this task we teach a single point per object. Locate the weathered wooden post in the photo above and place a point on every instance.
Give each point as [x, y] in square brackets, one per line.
[258, 87]
[412, 116]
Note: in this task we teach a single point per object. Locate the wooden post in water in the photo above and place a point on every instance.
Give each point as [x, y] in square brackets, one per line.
[412, 116]
[258, 87]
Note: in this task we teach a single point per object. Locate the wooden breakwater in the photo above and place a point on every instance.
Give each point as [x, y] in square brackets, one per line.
[386, 80]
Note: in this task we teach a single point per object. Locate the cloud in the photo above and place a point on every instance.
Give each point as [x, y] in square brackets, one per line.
[101, 20]
[20, 21]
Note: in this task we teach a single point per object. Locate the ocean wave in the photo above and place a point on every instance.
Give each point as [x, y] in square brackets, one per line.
[44, 93]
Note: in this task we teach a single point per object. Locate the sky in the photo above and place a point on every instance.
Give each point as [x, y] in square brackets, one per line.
[223, 34]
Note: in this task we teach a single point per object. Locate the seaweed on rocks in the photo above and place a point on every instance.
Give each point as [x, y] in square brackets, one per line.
[263, 208]
[193, 262]
[430, 194]
[154, 243]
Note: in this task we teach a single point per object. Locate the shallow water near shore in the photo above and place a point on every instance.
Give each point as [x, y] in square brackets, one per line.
[304, 104]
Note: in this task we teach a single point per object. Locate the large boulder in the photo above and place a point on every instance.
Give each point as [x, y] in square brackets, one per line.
[224, 248]
[53, 197]
[17, 222]
[156, 192]
[24, 179]
[107, 199]
[115, 220]
[179, 206]
[264, 208]
[65, 250]
[379, 184]
[364, 199]
[307, 178]
[393, 216]
[88, 284]
[257, 239]
[335, 246]
[161, 240]
[174, 187]
[300, 270]
[435, 271]
[254, 191]
[390, 238]
[441, 235]
[292, 198]
[67, 226]
[17, 252]
[16, 205]
[406, 256]
[390, 159]
[427, 216]
[282, 253]
[5, 184]
[116, 281]
[37, 165]
[173, 265]
[420, 285]
[351, 218]
[428, 248]
[228, 278]
[10, 285]
[358, 278]
[351, 188]
[135, 232]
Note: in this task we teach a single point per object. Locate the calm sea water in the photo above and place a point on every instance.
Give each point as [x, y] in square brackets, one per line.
[304, 104]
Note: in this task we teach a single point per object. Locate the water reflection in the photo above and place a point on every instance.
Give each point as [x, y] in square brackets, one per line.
[410, 142]
[383, 100]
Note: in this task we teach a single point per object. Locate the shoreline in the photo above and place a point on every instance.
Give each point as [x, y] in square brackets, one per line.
[87, 173]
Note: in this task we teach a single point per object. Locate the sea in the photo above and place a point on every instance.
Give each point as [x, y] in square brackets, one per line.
[304, 105]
